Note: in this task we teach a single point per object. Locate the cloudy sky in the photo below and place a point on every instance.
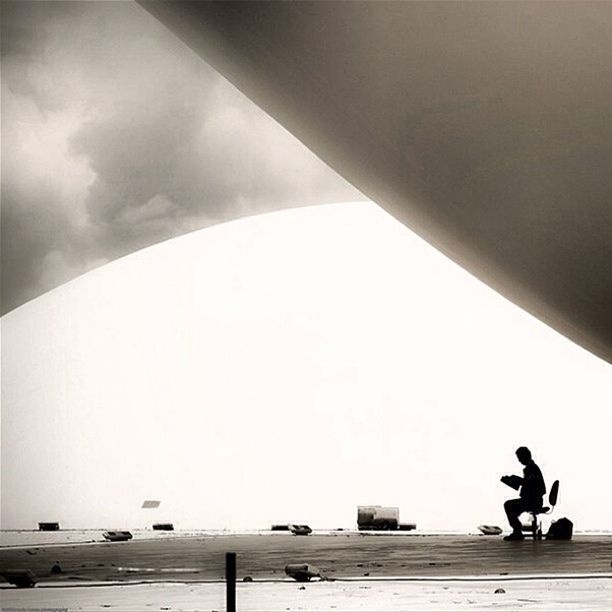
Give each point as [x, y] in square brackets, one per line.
[116, 136]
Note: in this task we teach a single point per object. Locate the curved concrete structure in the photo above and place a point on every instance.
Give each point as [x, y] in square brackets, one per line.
[485, 127]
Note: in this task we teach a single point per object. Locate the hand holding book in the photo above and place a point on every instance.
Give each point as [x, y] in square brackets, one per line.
[513, 481]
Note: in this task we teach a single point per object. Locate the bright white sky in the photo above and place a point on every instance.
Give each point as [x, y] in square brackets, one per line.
[288, 367]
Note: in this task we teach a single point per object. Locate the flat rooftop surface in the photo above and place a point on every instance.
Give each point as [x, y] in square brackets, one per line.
[337, 554]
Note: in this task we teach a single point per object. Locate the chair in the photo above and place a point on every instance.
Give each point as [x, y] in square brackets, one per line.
[535, 527]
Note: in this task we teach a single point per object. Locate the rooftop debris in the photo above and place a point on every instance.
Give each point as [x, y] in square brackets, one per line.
[21, 578]
[163, 527]
[300, 529]
[302, 572]
[48, 526]
[117, 536]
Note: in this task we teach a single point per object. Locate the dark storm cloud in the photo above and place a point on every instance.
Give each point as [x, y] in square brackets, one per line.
[30, 231]
[116, 136]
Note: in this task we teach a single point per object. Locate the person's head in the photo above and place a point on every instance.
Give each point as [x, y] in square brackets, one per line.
[523, 454]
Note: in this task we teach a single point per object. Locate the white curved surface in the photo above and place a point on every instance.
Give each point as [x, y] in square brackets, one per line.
[289, 367]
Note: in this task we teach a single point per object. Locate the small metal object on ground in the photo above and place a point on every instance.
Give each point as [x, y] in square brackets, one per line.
[490, 529]
[300, 529]
[406, 526]
[117, 536]
[48, 526]
[302, 572]
[163, 527]
[377, 518]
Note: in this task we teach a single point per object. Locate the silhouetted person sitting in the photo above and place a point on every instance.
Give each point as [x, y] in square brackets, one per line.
[532, 491]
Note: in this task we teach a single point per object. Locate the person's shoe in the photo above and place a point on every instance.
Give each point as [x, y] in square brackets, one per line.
[515, 536]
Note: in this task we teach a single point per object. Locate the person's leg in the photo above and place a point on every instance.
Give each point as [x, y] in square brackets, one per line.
[514, 508]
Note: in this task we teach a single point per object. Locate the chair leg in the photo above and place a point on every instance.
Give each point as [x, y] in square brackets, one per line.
[536, 528]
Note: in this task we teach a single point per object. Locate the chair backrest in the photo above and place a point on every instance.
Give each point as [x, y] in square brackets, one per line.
[554, 492]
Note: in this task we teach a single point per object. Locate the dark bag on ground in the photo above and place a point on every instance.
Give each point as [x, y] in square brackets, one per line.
[560, 529]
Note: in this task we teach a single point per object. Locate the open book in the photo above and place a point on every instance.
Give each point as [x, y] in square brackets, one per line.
[514, 482]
